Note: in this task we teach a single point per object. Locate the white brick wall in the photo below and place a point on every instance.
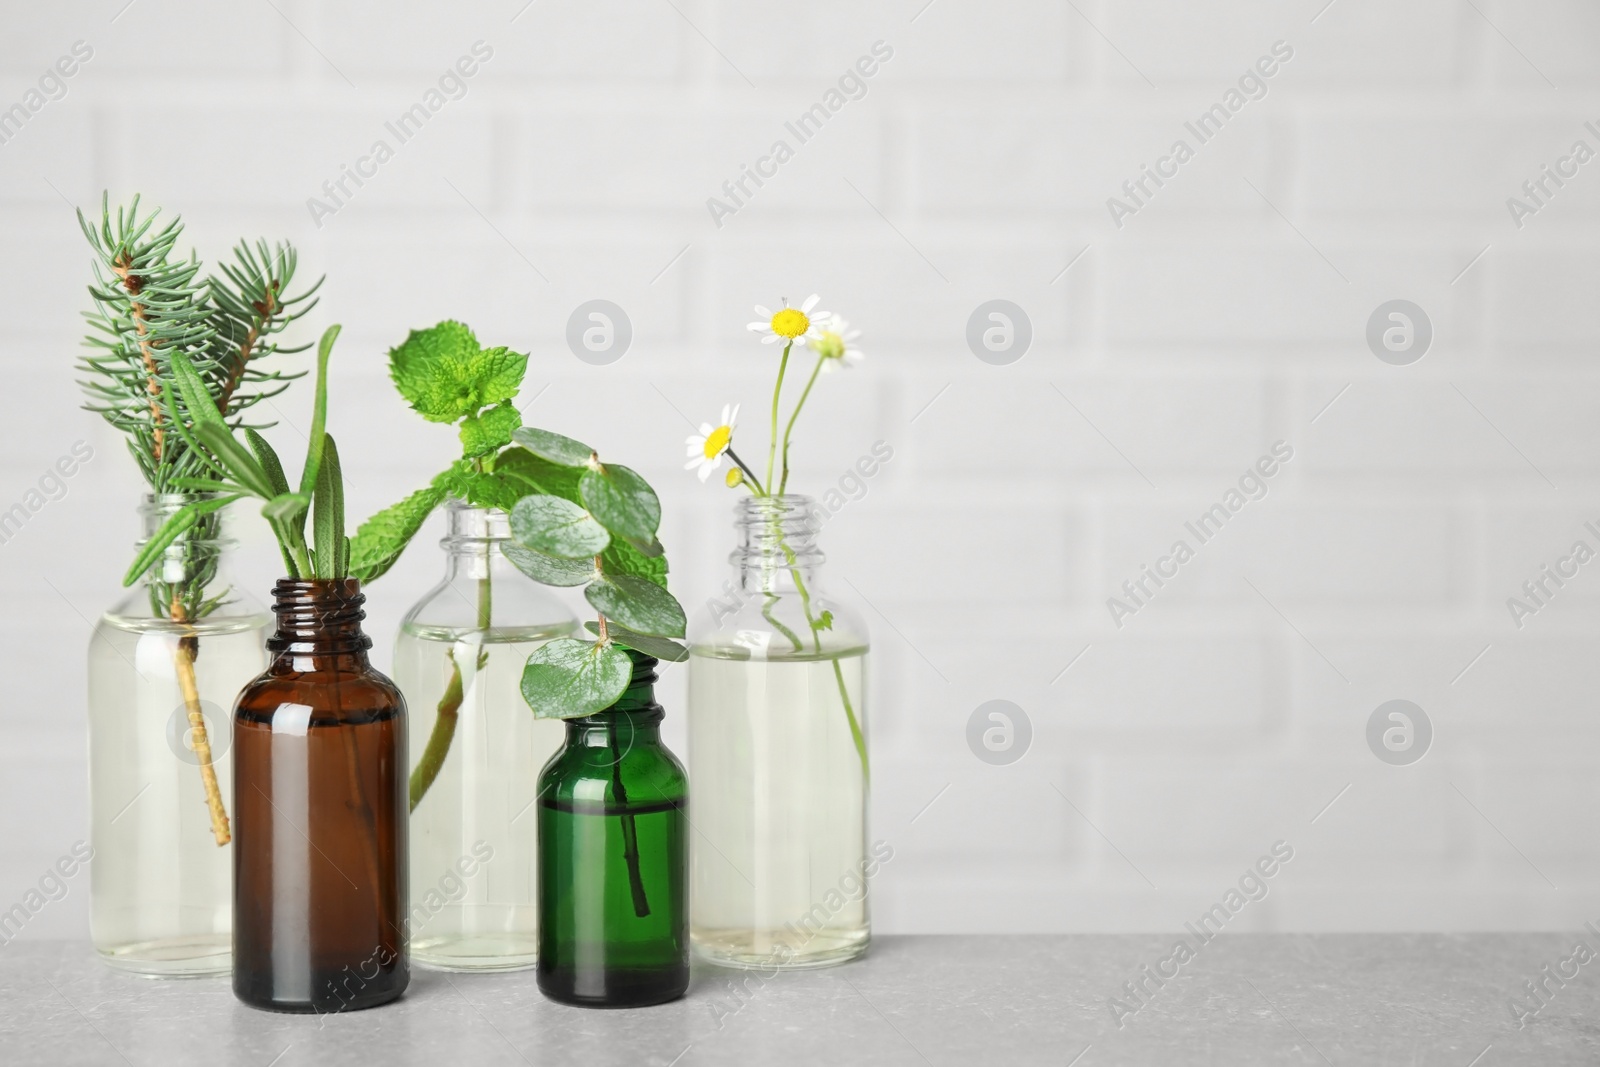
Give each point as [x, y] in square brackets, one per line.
[1218, 719]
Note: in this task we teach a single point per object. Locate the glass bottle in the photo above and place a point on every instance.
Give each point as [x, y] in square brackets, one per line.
[477, 750]
[319, 759]
[613, 858]
[778, 753]
[164, 666]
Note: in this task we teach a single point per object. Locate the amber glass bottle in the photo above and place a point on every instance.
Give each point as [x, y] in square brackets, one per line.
[319, 764]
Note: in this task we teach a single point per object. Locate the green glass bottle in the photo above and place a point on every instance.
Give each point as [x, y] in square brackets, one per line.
[614, 858]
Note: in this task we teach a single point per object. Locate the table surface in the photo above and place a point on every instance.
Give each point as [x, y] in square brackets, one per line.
[1241, 999]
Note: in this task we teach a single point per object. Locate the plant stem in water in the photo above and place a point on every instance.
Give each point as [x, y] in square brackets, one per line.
[183, 664]
[630, 835]
[449, 709]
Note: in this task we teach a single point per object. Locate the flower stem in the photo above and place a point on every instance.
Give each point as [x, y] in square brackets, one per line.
[750, 475]
[777, 390]
[783, 484]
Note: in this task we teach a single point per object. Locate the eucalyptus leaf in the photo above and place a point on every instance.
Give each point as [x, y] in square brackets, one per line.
[553, 446]
[567, 678]
[557, 527]
[550, 570]
[622, 501]
[638, 604]
[659, 647]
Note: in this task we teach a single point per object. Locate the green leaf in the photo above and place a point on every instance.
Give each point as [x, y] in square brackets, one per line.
[622, 558]
[659, 647]
[319, 412]
[639, 604]
[445, 376]
[382, 538]
[328, 515]
[557, 527]
[285, 508]
[554, 447]
[550, 570]
[568, 678]
[197, 399]
[181, 522]
[489, 431]
[271, 465]
[235, 458]
[622, 501]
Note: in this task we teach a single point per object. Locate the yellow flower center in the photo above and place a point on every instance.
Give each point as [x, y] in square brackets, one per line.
[829, 346]
[717, 440]
[790, 323]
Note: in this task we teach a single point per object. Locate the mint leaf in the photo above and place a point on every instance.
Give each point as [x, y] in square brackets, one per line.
[639, 604]
[382, 538]
[568, 678]
[554, 447]
[622, 558]
[622, 501]
[445, 376]
[557, 527]
[489, 431]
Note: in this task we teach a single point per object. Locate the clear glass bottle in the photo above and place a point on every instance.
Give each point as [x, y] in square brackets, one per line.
[476, 750]
[319, 756]
[778, 753]
[176, 650]
[613, 858]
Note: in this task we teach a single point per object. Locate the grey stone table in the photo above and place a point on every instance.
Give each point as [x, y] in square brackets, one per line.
[1001, 1001]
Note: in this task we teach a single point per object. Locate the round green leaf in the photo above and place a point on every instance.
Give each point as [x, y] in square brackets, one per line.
[568, 678]
[557, 527]
[637, 603]
[622, 501]
[659, 647]
[553, 447]
[549, 570]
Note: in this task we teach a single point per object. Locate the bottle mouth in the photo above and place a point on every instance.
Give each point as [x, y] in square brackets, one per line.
[327, 613]
[471, 524]
[210, 532]
[777, 526]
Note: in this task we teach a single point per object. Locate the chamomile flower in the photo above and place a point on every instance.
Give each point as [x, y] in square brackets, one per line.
[706, 448]
[834, 343]
[787, 324]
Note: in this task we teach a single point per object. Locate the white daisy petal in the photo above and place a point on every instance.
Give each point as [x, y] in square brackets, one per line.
[763, 312]
[811, 302]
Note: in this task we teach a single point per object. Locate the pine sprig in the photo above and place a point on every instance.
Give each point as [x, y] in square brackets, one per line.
[151, 302]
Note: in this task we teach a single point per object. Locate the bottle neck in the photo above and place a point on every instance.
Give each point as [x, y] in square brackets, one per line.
[635, 718]
[319, 618]
[473, 541]
[184, 580]
[776, 543]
